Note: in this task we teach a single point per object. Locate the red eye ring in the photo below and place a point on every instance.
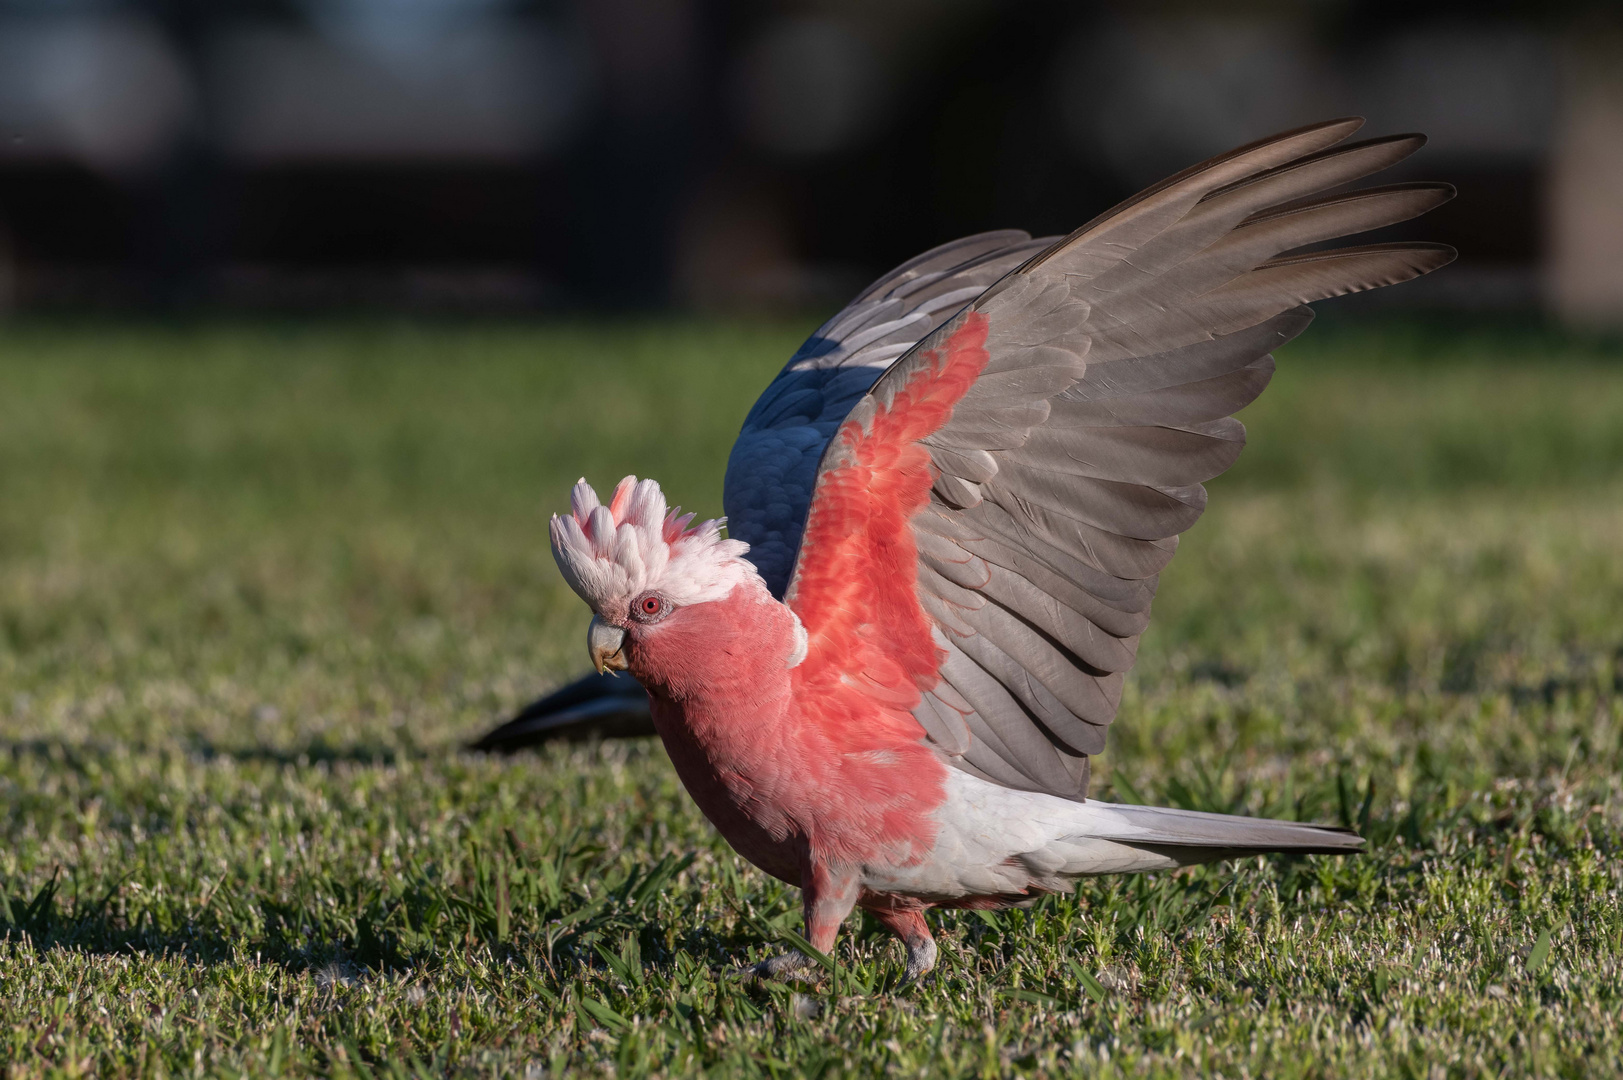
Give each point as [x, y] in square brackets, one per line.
[649, 607]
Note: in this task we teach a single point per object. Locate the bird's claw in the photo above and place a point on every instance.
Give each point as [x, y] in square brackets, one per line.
[921, 956]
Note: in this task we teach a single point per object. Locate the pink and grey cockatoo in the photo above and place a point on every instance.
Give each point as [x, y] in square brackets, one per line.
[947, 516]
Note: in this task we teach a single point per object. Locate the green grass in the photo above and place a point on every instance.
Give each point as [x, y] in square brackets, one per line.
[258, 582]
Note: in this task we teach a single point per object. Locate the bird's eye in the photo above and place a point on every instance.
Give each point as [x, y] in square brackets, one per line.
[649, 607]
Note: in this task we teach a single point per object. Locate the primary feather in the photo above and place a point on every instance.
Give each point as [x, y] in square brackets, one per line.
[948, 514]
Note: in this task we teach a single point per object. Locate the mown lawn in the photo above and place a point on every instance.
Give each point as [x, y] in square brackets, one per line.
[258, 583]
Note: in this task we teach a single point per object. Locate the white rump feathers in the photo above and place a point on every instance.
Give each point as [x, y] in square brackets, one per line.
[612, 554]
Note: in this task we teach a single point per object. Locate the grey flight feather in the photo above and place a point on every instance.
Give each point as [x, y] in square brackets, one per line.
[1117, 356]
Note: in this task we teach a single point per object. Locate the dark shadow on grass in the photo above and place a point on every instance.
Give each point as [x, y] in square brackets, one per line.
[48, 919]
[76, 755]
[418, 919]
[319, 752]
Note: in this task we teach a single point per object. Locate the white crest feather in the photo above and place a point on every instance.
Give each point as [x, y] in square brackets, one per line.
[611, 554]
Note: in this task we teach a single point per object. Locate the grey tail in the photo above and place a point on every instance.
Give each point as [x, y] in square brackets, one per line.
[1192, 836]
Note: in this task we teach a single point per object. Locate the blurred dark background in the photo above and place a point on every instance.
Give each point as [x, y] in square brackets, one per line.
[521, 155]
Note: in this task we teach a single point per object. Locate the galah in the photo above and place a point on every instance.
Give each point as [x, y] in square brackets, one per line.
[947, 516]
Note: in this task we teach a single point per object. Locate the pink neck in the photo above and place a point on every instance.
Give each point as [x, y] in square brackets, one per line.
[787, 771]
[726, 651]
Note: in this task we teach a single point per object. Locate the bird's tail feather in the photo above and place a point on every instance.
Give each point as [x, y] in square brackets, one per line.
[1192, 836]
[594, 707]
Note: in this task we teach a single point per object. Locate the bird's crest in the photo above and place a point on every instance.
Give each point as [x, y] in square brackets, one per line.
[611, 554]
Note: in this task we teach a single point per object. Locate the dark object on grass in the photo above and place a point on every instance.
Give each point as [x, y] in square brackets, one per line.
[597, 706]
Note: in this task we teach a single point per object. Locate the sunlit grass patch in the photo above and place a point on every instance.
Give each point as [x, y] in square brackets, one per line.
[258, 583]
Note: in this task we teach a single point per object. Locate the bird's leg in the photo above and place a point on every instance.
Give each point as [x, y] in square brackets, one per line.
[827, 896]
[909, 925]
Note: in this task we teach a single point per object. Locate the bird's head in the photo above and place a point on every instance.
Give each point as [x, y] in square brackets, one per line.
[638, 565]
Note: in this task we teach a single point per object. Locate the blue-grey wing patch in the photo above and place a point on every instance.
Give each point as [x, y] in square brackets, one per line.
[773, 465]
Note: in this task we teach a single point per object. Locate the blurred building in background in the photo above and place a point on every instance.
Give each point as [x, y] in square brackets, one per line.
[631, 154]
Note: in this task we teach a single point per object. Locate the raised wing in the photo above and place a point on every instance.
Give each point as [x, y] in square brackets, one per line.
[773, 464]
[1025, 471]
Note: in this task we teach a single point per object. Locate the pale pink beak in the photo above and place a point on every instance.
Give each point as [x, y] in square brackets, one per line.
[605, 643]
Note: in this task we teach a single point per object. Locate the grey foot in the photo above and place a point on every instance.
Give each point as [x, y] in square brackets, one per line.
[782, 966]
[921, 954]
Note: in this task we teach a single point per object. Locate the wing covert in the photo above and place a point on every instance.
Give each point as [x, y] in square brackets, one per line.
[773, 465]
